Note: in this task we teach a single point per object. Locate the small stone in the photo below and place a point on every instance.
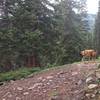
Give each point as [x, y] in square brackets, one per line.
[14, 89]
[62, 76]
[79, 82]
[25, 93]
[74, 73]
[34, 86]
[31, 88]
[30, 76]
[43, 80]
[18, 98]
[37, 90]
[48, 83]
[98, 65]
[99, 92]
[65, 82]
[93, 95]
[62, 72]
[87, 95]
[50, 80]
[49, 77]
[40, 94]
[98, 75]
[39, 87]
[95, 92]
[40, 78]
[56, 86]
[55, 98]
[44, 91]
[19, 88]
[54, 89]
[89, 80]
[9, 95]
[76, 91]
[12, 81]
[22, 78]
[6, 94]
[92, 86]
[3, 99]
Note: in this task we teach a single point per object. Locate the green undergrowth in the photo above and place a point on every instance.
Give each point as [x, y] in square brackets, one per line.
[98, 59]
[18, 74]
[23, 72]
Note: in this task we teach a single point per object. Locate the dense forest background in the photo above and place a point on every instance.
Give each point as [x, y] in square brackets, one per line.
[43, 33]
[97, 31]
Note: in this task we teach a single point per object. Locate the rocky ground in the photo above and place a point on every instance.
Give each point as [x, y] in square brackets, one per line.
[92, 87]
[69, 82]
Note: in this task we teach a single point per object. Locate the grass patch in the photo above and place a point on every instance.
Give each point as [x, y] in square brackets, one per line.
[98, 59]
[24, 72]
[18, 74]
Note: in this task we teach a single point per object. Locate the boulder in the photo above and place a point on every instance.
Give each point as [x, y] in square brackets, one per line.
[89, 80]
[92, 86]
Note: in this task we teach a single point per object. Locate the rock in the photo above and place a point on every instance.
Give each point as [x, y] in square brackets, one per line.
[3, 99]
[79, 82]
[61, 72]
[88, 95]
[9, 95]
[19, 88]
[93, 95]
[39, 87]
[22, 78]
[92, 86]
[1, 83]
[98, 75]
[91, 74]
[25, 93]
[62, 76]
[54, 89]
[40, 78]
[14, 88]
[55, 98]
[48, 83]
[89, 80]
[65, 82]
[43, 80]
[74, 73]
[49, 77]
[99, 92]
[18, 98]
[96, 92]
[98, 65]
[6, 94]
[30, 76]
[35, 85]
[77, 91]
[31, 88]
[50, 80]
[44, 91]
[12, 81]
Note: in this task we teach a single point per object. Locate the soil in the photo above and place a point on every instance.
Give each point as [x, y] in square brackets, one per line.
[64, 83]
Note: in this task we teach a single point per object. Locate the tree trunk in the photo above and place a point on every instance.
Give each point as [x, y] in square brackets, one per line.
[32, 61]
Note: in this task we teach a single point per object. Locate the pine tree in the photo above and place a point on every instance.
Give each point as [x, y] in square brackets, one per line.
[97, 31]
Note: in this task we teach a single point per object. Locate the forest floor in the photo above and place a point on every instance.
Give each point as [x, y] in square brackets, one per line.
[64, 83]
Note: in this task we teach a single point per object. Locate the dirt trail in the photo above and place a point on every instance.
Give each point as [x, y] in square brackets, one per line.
[65, 83]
